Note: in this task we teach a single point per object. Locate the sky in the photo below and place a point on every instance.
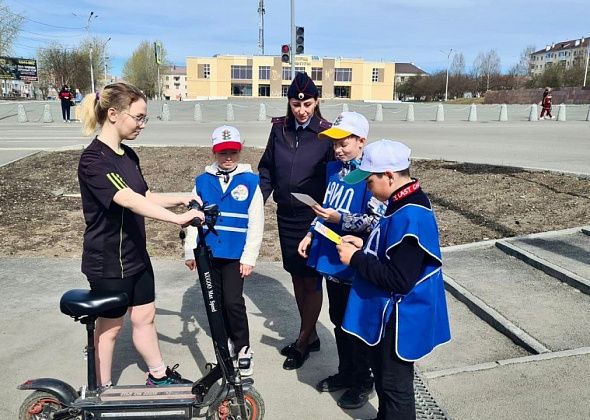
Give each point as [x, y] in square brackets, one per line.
[418, 31]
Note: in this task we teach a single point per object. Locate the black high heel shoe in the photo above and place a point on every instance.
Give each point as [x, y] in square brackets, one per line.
[295, 359]
[315, 346]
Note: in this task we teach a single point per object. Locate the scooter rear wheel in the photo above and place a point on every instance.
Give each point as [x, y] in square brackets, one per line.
[39, 406]
[254, 407]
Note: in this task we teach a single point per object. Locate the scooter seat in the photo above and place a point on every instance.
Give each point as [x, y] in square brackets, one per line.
[82, 302]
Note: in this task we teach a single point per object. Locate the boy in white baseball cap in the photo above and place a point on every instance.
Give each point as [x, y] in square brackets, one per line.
[397, 302]
[346, 209]
[234, 188]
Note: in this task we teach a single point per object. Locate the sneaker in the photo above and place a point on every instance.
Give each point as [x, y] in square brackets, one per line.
[245, 362]
[172, 378]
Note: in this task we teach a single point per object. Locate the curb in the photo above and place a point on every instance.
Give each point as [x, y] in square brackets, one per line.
[545, 266]
[494, 318]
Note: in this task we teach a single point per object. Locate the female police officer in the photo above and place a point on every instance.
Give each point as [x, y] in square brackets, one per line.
[295, 161]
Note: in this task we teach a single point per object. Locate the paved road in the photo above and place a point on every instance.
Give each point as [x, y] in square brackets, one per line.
[544, 144]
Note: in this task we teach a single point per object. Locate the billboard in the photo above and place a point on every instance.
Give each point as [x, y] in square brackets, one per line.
[18, 69]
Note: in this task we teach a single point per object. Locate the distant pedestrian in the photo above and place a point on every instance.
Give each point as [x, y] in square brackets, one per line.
[546, 104]
[66, 98]
[77, 99]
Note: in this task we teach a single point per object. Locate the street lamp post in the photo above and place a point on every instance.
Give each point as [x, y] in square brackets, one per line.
[92, 15]
[447, 82]
[104, 59]
[587, 59]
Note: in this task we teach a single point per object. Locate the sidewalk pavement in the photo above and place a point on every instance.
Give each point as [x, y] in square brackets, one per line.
[481, 374]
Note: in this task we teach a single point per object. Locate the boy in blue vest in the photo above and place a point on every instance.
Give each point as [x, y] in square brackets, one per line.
[234, 187]
[397, 303]
[346, 209]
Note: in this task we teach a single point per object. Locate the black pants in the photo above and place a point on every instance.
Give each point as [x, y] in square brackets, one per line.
[394, 379]
[65, 110]
[353, 358]
[234, 306]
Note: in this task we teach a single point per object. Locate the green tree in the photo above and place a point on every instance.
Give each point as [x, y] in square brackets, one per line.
[10, 26]
[141, 68]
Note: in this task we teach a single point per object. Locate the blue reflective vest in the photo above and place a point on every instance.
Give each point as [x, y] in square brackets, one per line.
[345, 198]
[232, 224]
[422, 321]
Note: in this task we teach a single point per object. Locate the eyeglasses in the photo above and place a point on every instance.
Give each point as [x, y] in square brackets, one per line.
[139, 119]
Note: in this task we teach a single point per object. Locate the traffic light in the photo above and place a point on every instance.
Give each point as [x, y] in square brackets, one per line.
[285, 53]
[299, 40]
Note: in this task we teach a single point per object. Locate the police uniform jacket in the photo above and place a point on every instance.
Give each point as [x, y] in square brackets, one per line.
[294, 161]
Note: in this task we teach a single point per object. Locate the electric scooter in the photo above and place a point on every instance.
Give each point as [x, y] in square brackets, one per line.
[235, 398]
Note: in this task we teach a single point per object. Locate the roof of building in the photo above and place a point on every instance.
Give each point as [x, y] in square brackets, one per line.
[410, 68]
[565, 45]
[174, 70]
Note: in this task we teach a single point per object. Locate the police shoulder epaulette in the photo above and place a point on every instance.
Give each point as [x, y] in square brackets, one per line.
[325, 124]
[278, 120]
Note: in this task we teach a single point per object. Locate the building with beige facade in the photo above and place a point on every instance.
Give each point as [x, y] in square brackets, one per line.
[565, 53]
[173, 82]
[267, 76]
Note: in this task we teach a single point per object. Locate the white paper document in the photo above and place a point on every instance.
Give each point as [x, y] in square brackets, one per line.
[306, 199]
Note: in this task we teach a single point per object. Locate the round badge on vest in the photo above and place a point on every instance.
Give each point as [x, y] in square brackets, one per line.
[240, 193]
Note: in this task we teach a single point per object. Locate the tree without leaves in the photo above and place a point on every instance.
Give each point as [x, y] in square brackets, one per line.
[59, 66]
[522, 68]
[486, 66]
[10, 25]
[141, 69]
[458, 65]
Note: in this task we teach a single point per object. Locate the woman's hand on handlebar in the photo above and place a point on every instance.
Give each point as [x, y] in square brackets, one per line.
[186, 200]
[187, 218]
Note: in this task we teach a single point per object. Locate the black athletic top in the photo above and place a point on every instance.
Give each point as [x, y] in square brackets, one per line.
[114, 238]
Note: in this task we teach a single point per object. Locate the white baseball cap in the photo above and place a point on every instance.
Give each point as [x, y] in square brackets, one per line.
[226, 137]
[347, 123]
[378, 157]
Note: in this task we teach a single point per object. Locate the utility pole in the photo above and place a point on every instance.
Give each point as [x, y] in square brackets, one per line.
[261, 12]
[587, 58]
[92, 15]
[292, 39]
[104, 59]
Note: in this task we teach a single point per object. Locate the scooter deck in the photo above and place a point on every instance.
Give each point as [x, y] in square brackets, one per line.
[136, 393]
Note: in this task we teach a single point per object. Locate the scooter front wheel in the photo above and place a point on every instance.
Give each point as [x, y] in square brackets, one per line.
[227, 408]
[39, 406]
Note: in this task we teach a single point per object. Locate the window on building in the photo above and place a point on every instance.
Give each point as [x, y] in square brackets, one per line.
[204, 71]
[263, 90]
[342, 91]
[284, 89]
[287, 72]
[167, 86]
[241, 72]
[377, 75]
[167, 78]
[264, 72]
[238, 89]
[316, 73]
[343, 75]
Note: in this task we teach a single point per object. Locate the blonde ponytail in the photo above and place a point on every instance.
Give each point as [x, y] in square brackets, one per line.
[88, 114]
